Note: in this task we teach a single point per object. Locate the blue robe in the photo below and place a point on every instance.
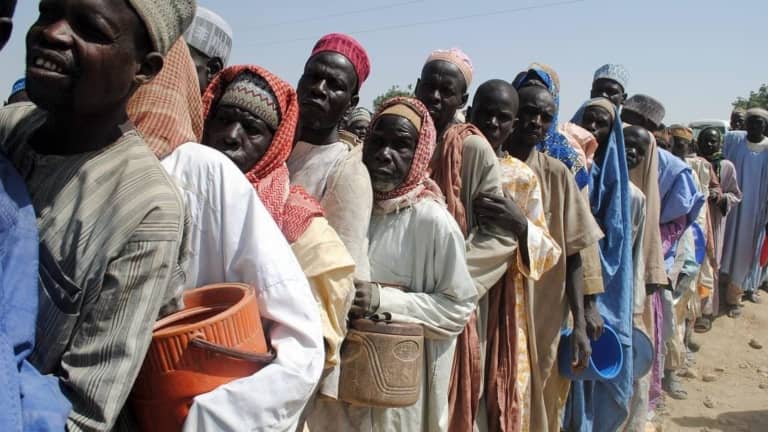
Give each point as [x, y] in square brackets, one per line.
[28, 400]
[604, 405]
[745, 229]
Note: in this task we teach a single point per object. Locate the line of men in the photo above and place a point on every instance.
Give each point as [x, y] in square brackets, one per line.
[123, 187]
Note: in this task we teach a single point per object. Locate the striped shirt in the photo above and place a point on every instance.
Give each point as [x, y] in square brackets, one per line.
[110, 226]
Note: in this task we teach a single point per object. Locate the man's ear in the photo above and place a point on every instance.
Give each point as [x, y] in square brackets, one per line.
[6, 28]
[469, 114]
[416, 89]
[354, 101]
[150, 67]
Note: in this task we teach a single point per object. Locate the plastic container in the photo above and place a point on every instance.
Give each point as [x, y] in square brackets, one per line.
[216, 339]
[381, 364]
[605, 362]
[642, 353]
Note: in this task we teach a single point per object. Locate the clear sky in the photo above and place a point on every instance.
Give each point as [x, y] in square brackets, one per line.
[696, 56]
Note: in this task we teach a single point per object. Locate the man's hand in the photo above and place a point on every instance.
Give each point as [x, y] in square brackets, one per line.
[362, 306]
[592, 318]
[581, 349]
[500, 212]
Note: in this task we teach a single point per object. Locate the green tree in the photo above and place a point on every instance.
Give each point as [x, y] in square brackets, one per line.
[393, 91]
[756, 99]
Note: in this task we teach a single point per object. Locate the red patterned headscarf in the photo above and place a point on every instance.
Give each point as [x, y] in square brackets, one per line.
[417, 185]
[291, 206]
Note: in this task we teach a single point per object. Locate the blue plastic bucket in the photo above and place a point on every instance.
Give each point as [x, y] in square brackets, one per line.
[605, 362]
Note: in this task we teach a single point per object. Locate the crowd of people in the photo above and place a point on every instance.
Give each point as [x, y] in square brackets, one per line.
[137, 164]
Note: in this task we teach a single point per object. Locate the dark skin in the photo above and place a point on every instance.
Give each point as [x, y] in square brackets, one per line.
[326, 91]
[7, 7]
[206, 67]
[738, 120]
[534, 118]
[240, 135]
[494, 110]
[756, 129]
[85, 58]
[681, 147]
[18, 97]
[709, 142]
[359, 128]
[610, 90]
[443, 90]
[388, 154]
[597, 120]
[637, 142]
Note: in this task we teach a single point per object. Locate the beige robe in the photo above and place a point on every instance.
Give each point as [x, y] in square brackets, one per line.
[573, 227]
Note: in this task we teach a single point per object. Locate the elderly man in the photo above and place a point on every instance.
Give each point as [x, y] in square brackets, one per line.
[109, 216]
[610, 82]
[327, 163]
[358, 121]
[746, 226]
[209, 38]
[738, 119]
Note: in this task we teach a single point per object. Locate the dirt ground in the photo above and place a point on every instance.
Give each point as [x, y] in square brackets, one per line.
[737, 399]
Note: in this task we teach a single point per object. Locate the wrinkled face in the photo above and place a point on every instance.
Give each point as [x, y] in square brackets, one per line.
[240, 135]
[83, 55]
[755, 128]
[359, 128]
[326, 90]
[537, 110]
[637, 141]
[608, 89]
[680, 146]
[494, 113]
[597, 121]
[442, 90]
[709, 142]
[738, 121]
[388, 152]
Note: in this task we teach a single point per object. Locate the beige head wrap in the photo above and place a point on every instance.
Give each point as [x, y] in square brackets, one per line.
[165, 20]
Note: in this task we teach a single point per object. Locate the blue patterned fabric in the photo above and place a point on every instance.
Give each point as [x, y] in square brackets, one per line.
[604, 405]
[556, 144]
[28, 401]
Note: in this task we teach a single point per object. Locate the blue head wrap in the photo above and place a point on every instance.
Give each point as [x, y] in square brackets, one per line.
[555, 144]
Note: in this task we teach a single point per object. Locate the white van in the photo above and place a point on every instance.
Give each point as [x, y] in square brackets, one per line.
[722, 125]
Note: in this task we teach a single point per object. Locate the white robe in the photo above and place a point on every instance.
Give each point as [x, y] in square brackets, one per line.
[422, 248]
[234, 239]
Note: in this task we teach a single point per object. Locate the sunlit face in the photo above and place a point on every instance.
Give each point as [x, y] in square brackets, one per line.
[442, 89]
[83, 56]
[534, 119]
[597, 121]
[388, 152]
[709, 142]
[608, 89]
[240, 135]
[494, 113]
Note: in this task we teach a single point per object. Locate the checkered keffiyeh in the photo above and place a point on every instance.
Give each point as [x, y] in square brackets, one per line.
[168, 111]
[290, 206]
[417, 185]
